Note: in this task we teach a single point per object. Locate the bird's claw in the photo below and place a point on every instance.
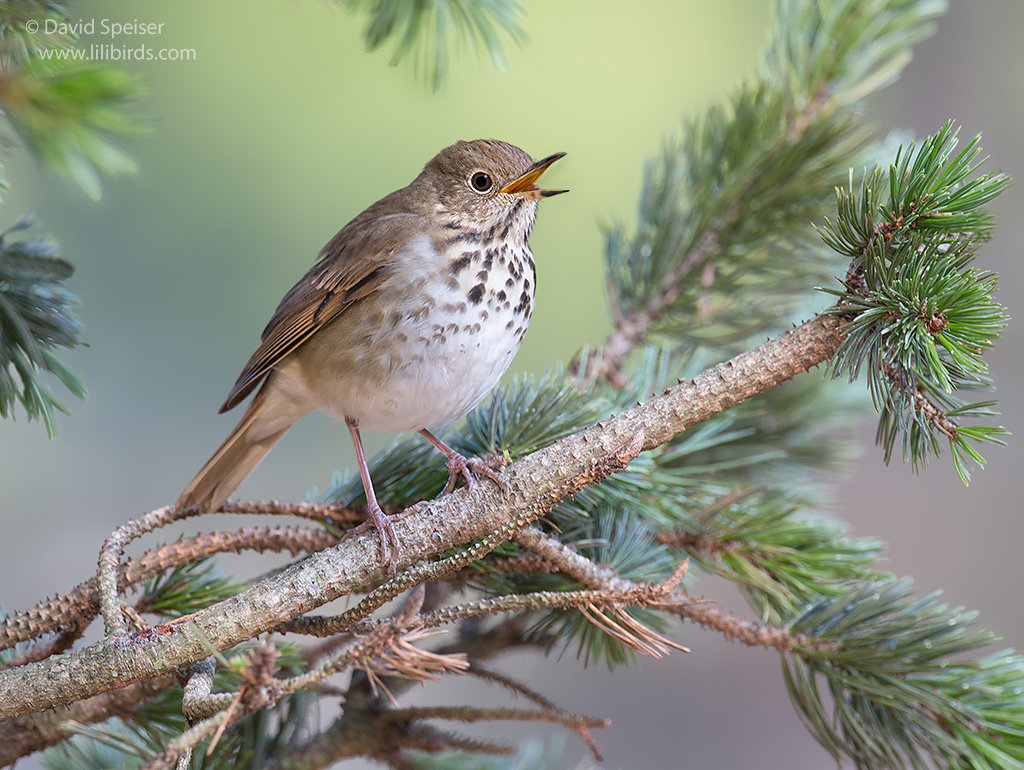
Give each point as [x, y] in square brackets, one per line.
[465, 467]
[390, 549]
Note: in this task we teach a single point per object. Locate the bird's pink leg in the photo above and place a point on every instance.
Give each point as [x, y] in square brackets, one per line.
[389, 547]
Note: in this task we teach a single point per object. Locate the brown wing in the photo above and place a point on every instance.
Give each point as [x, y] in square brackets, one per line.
[355, 263]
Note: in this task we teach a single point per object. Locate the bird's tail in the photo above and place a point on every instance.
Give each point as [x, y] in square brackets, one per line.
[263, 423]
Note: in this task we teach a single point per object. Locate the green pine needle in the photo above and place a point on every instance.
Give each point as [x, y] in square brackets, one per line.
[781, 555]
[794, 437]
[919, 317]
[70, 117]
[899, 696]
[624, 546]
[36, 318]
[721, 249]
[426, 30]
[845, 48]
[17, 44]
[186, 589]
[718, 211]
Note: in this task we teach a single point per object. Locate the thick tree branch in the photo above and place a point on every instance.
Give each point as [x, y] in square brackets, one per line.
[535, 484]
[35, 732]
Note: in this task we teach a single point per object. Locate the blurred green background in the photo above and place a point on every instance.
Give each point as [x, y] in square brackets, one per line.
[283, 128]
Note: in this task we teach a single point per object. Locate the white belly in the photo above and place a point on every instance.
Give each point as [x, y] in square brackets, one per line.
[454, 372]
[419, 352]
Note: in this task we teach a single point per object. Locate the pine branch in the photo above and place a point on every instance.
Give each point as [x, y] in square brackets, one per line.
[70, 117]
[720, 207]
[74, 610]
[36, 318]
[735, 629]
[25, 735]
[780, 555]
[922, 316]
[426, 31]
[902, 693]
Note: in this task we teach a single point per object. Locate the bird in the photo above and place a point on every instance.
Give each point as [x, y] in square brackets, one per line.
[407, 320]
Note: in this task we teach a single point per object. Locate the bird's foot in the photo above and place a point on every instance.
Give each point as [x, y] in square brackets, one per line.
[390, 549]
[465, 467]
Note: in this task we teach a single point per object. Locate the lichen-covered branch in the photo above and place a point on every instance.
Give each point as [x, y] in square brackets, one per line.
[34, 732]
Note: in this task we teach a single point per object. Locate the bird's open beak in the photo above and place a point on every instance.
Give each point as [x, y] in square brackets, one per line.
[526, 185]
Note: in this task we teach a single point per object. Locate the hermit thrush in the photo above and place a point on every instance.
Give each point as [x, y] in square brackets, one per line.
[411, 315]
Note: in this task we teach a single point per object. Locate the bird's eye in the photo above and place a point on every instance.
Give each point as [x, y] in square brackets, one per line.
[481, 182]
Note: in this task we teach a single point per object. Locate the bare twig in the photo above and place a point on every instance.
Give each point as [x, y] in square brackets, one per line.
[315, 511]
[510, 684]
[922, 404]
[565, 558]
[110, 554]
[370, 733]
[387, 651]
[629, 593]
[107, 572]
[61, 641]
[188, 740]
[736, 629]
[260, 689]
[581, 725]
[524, 565]
[195, 700]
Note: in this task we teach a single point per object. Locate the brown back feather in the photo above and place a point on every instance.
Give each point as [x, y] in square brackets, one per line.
[356, 262]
